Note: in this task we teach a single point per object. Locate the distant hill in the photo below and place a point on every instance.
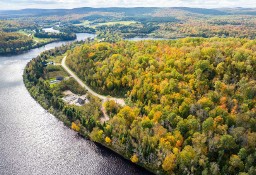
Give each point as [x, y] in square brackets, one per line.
[126, 11]
[43, 12]
[202, 11]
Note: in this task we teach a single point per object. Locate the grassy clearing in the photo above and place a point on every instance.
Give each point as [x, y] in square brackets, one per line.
[23, 32]
[59, 71]
[37, 40]
[85, 23]
[43, 40]
[53, 75]
[57, 59]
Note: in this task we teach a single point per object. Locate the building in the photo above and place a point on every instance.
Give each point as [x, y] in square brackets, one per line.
[73, 99]
[82, 100]
[59, 78]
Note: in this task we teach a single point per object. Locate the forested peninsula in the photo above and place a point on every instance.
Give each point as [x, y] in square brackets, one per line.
[190, 103]
[18, 36]
[14, 42]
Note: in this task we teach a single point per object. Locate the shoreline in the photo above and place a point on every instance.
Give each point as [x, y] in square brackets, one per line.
[37, 45]
[33, 47]
[60, 115]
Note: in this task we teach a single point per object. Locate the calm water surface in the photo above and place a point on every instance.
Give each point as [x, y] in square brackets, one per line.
[33, 142]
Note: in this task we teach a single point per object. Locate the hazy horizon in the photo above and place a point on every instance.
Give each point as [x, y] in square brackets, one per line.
[69, 4]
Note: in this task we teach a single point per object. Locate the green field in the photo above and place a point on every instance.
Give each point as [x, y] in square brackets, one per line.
[84, 23]
[37, 40]
[43, 40]
[56, 59]
[23, 32]
[55, 74]
[58, 72]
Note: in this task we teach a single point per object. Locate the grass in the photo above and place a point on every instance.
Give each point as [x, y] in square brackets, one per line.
[55, 70]
[84, 23]
[60, 72]
[37, 40]
[43, 40]
[23, 32]
[54, 74]
[53, 85]
[57, 74]
[56, 59]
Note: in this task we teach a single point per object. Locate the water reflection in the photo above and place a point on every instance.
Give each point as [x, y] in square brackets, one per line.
[33, 142]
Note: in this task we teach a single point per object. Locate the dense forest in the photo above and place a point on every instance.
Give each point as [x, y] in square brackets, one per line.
[14, 42]
[13, 25]
[127, 31]
[69, 28]
[61, 36]
[191, 102]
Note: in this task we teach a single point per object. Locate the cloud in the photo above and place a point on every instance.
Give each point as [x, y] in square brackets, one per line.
[20, 4]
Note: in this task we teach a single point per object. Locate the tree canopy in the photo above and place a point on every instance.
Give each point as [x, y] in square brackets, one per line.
[192, 102]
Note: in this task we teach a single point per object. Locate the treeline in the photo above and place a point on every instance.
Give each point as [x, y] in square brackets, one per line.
[192, 102]
[76, 29]
[151, 19]
[61, 36]
[15, 25]
[207, 29]
[129, 31]
[109, 36]
[14, 42]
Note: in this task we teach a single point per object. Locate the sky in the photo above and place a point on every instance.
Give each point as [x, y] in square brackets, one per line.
[50, 4]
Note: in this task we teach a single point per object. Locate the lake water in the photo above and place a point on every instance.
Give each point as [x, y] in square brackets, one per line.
[34, 142]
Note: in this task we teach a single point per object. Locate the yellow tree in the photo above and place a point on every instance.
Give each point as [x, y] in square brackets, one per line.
[169, 163]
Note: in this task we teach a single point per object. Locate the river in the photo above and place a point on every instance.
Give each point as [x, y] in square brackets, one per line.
[34, 142]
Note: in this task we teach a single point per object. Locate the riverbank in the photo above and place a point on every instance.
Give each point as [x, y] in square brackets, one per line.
[37, 45]
[71, 116]
[28, 132]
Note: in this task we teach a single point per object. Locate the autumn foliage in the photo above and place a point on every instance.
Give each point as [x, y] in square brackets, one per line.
[191, 101]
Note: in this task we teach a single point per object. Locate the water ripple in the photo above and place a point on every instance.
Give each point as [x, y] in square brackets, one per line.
[33, 142]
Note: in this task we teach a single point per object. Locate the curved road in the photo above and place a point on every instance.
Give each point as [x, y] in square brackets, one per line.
[119, 101]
